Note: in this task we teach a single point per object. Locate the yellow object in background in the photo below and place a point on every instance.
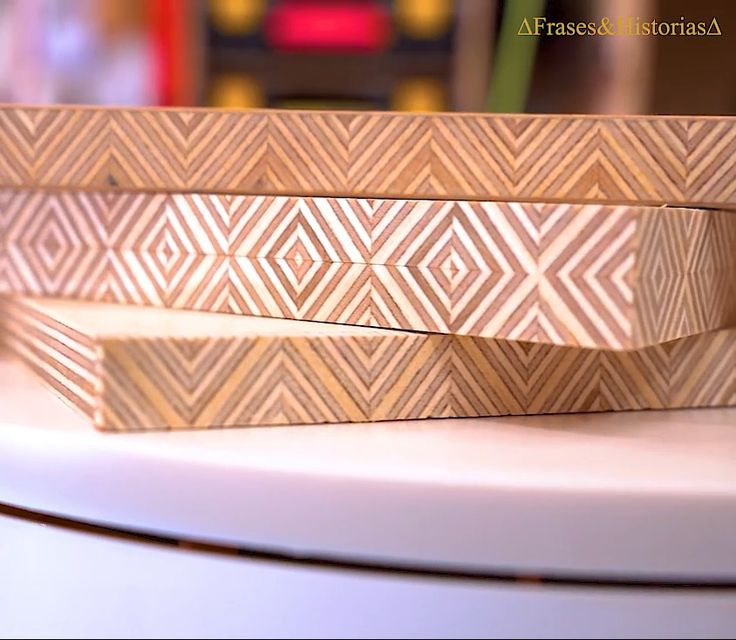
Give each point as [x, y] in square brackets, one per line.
[236, 17]
[419, 94]
[423, 19]
[235, 91]
[329, 104]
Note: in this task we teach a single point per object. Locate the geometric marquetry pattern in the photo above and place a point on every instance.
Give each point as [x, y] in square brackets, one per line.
[54, 146]
[596, 276]
[644, 159]
[278, 372]
[711, 170]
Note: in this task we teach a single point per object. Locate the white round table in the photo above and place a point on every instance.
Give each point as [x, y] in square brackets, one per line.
[607, 524]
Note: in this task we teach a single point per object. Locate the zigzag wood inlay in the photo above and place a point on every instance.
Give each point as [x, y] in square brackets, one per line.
[137, 368]
[670, 160]
[618, 277]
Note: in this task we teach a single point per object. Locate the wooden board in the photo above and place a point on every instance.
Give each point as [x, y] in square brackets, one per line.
[141, 368]
[615, 277]
[672, 160]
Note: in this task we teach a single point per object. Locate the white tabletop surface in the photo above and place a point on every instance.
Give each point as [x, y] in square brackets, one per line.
[632, 495]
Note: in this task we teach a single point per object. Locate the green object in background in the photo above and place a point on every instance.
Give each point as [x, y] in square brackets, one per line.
[514, 64]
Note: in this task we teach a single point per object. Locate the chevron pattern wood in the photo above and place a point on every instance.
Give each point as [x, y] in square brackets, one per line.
[307, 148]
[17, 147]
[413, 377]
[136, 368]
[327, 292]
[148, 149]
[642, 159]
[635, 379]
[711, 172]
[470, 154]
[489, 377]
[695, 377]
[226, 152]
[300, 229]
[165, 369]
[668, 160]
[55, 146]
[374, 169]
[558, 156]
[71, 146]
[593, 276]
[168, 150]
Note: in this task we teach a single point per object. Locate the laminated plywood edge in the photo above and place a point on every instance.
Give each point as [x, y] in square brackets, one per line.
[66, 360]
[164, 375]
[595, 276]
[685, 160]
[133, 368]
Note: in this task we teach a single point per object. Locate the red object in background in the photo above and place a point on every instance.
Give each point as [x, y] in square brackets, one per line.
[323, 25]
[172, 75]
[162, 37]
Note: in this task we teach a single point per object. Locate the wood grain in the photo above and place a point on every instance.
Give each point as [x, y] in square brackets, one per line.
[598, 276]
[671, 160]
[131, 368]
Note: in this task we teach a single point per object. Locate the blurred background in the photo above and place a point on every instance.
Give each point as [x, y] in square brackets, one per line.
[408, 55]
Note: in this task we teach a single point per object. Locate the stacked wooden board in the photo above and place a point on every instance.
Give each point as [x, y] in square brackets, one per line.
[135, 367]
[471, 265]
[642, 159]
[616, 277]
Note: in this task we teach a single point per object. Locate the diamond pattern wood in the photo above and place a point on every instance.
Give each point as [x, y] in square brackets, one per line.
[616, 277]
